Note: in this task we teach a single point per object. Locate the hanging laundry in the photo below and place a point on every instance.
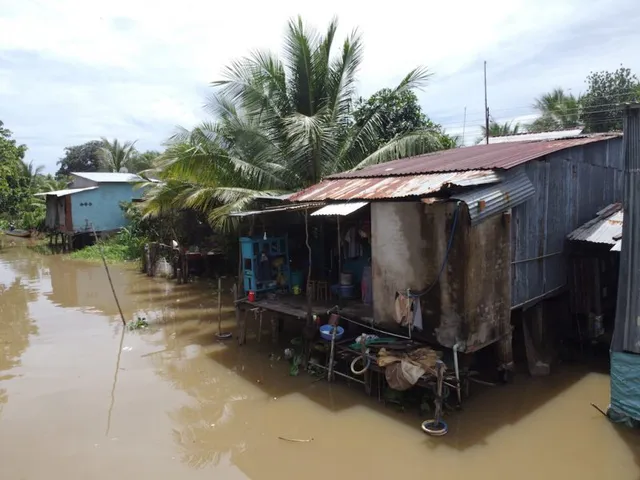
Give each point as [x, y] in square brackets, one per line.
[408, 311]
[403, 310]
[352, 243]
[417, 314]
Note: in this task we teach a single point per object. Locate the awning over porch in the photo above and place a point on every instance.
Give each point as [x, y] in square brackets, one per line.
[63, 193]
[340, 209]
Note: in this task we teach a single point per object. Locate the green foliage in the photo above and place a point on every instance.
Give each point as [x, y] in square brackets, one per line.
[80, 158]
[400, 113]
[606, 94]
[122, 247]
[558, 111]
[103, 155]
[499, 130]
[14, 185]
[282, 123]
[143, 161]
[114, 156]
[18, 182]
[138, 323]
[128, 244]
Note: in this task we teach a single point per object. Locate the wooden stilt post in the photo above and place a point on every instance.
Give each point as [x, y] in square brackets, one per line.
[257, 315]
[242, 336]
[309, 322]
[274, 328]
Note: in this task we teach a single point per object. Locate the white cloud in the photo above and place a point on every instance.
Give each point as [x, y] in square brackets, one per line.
[73, 70]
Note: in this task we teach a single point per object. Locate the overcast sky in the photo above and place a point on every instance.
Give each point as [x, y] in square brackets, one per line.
[75, 70]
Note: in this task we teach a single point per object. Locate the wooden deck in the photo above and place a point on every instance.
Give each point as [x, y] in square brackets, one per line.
[296, 306]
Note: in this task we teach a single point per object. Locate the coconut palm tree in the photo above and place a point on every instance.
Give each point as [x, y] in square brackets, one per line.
[32, 173]
[558, 111]
[497, 129]
[283, 123]
[114, 156]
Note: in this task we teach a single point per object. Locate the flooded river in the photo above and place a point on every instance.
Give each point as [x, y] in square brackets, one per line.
[81, 400]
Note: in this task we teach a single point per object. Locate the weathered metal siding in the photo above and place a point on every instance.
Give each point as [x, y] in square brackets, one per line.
[626, 337]
[571, 186]
[489, 201]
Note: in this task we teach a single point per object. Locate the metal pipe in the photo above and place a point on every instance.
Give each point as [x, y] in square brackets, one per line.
[532, 259]
[331, 355]
[375, 329]
[457, 369]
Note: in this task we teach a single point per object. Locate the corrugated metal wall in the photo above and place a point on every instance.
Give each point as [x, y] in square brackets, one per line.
[571, 186]
[626, 335]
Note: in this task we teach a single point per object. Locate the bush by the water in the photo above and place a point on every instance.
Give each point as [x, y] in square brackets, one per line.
[122, 247]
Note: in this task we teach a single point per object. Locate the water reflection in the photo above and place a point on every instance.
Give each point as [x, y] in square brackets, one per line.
[177, 403]
[16, 326]
[85, 285]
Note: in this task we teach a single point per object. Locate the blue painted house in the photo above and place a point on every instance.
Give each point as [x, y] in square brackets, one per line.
[93, 198]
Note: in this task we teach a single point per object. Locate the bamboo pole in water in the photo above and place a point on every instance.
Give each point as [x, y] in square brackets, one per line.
[219, 305]
[106, 268]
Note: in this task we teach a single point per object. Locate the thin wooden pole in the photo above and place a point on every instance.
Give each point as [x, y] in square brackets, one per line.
[334, 329]
[339, 247]
[219, 305]
[306, 230]
[106, 268]
[486, 105]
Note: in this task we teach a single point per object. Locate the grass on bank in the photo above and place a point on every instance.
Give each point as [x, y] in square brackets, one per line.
[122, 247]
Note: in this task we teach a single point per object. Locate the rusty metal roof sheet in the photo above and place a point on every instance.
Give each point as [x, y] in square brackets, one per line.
[485, 202]
[392, 187]
[605, 228]
[478, 157]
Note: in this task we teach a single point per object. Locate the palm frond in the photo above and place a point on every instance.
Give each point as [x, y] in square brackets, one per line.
[407, 145]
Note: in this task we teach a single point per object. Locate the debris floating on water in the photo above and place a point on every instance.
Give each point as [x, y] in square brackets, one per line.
[296, 440]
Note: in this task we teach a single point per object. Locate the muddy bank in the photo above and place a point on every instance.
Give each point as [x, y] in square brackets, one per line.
[80, 399]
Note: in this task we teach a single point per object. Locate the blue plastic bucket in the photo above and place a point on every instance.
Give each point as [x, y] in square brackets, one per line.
[347, 291]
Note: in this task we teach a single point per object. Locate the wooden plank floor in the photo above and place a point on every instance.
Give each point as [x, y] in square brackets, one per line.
[296, 306]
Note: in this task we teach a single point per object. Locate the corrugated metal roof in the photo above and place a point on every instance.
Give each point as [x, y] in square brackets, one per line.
[534, 137]
[341, 209]
[605, 228]
[62, 193]
[494, 199]
[284, 208]
[392, 187]
[109, 177]
[478, 157]
[617, 247]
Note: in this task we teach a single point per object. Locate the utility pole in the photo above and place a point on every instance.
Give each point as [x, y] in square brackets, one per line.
[464, 125]
[486, 105]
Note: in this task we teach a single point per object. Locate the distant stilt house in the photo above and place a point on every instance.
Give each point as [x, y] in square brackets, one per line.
[594, 263]
[473, 239]
[92, 200]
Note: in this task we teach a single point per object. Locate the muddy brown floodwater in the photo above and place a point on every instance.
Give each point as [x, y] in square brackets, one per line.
[80, 400]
